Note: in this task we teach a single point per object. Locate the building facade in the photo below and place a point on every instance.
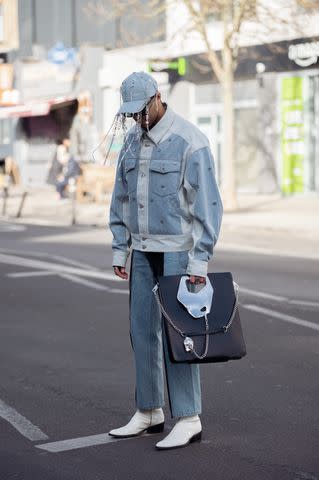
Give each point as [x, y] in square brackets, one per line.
[275, 91]
[276, 102]
[59, 56]
[275, 95]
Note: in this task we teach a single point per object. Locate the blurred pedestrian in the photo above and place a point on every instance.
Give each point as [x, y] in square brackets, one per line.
[69, 167]
[83, 133]
[56, 166]
[166, 205]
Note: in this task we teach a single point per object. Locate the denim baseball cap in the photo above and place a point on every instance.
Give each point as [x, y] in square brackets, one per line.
[136, 90]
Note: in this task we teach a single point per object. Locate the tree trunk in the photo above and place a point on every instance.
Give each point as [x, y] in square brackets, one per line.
[228, 164]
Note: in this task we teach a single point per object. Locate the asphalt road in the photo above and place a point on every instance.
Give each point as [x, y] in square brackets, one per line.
[67, 373]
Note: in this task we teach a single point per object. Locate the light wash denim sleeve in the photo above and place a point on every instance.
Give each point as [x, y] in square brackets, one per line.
[205, 206]
[118, 215]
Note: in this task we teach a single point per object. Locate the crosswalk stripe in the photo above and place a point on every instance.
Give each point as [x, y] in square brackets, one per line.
[20, 423]
[81, 442]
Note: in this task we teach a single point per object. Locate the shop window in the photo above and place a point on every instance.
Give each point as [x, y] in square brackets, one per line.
[246, 149]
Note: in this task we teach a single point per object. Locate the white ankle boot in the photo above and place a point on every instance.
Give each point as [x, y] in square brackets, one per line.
[150, 421]
[186, 430]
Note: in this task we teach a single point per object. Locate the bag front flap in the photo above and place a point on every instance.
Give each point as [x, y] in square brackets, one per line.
[221, 309]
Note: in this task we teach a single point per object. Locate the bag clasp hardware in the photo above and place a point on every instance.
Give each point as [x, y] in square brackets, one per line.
[188, 344]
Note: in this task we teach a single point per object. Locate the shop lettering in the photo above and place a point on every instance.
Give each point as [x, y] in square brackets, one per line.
[304, 54]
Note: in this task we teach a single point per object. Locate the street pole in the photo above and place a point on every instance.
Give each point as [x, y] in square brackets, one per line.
[5, 194]
[72, 191]
[19, 212]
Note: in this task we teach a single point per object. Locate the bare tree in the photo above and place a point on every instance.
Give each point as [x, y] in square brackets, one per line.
[261, 16]
[232, 14]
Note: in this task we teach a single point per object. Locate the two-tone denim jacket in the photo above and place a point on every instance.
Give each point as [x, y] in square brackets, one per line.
[165, 196]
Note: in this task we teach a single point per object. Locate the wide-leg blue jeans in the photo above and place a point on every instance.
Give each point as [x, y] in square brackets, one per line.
[149, 342]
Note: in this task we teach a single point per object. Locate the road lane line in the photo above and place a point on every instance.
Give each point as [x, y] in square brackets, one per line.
[91, 272]
[82, 281]
[90, 284]
[305, 303]
[234, 247]
[278, 298]
[60, 258]
[9, 227]
[43, 273]
[257, 293]
[282, 316]
[20, 423]
[39, 264]
[81, 442]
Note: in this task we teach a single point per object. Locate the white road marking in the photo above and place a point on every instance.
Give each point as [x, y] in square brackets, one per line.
[72, 278]
[81, 442]
[278, 298]
[9, 227]
[88, 271]
[82, 281]
[60, 258]
[43, 273]
[305, 303]
[233, 247]
[257, 293]
[69, 273]
[20, 423]
[39, 264]
[282, 316]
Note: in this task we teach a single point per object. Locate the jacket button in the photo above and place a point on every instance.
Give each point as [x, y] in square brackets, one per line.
[141, 206]
[143, 246]
[144, 238]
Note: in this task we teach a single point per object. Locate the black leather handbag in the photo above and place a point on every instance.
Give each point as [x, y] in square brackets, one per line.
[218, 338]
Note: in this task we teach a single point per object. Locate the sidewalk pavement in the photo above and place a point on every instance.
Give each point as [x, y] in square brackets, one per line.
[287, 226]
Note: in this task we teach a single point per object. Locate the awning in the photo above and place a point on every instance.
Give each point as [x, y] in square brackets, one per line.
[36, 108]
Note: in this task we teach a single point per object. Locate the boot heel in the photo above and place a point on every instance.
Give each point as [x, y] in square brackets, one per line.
[156, 428]
[196, 438]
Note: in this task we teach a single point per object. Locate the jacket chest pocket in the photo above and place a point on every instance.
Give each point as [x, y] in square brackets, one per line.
[164, 177]
[130, 169]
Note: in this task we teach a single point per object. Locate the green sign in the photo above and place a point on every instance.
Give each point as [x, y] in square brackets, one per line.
[178, 65]
[292, 134]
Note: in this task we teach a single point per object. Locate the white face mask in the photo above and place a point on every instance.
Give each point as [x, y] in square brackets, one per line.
[197, 304]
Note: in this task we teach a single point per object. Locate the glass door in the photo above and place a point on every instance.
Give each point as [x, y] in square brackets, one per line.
[211, 126]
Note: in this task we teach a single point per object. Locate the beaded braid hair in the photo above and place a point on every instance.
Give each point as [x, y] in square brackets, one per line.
[120, 124]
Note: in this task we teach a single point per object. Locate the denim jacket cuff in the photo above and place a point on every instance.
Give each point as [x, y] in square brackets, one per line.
[197, 267]
[119, 258]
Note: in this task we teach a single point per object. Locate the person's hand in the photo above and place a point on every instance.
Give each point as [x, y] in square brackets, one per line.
[120, 272]
[195, 279]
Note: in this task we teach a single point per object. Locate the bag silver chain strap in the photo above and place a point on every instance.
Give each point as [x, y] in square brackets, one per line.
[188, 342]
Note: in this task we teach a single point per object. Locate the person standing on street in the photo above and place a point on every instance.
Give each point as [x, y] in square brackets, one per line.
[166, 207]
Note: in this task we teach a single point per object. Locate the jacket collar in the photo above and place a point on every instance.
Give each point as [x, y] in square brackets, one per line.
[161, 128]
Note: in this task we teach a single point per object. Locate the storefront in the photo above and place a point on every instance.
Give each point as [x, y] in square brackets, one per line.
[276, 102]
[48, 101]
